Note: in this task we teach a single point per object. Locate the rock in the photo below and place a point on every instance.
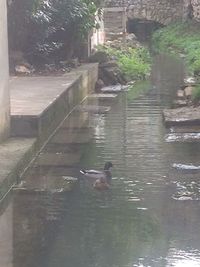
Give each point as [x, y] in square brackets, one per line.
[111, 73]
[21, 69]
[18, 63]
[99, 56]
[131, 37]
[99, 84]
[189, 80]
[180, 166]
[109, 64]
[112, 76]
[180, 94]
[188, 91]
[180, 103]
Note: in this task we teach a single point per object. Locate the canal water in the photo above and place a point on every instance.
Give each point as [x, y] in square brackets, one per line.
[150, 217]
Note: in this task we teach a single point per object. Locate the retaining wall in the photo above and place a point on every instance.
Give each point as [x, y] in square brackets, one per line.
[4, 92]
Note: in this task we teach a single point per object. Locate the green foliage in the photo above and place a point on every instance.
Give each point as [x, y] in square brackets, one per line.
[196, 93]
[135, 63]
[181, 38]
[46, 26]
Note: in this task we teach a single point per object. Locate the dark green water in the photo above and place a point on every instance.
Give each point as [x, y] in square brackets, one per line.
[151, 215]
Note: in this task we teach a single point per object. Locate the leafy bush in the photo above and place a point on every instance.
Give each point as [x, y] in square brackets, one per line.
[135, 63]
[45, 27]
[196, 94]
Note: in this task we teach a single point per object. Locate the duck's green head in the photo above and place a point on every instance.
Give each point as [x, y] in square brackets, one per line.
[108, 165]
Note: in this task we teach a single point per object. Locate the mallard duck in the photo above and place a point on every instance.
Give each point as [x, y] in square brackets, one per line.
[101, 184]
[104, 175]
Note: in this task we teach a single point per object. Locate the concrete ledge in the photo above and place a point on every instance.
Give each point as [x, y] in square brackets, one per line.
[182, 116]
[15, 156]
[40, 104]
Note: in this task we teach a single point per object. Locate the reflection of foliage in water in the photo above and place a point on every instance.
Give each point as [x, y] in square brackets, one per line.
[115, 238]
[138, 89]
[102, 234]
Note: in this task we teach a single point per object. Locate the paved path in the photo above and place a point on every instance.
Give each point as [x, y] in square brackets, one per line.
[32, 95]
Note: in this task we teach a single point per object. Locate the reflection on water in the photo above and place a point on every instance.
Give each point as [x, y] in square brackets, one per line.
[141, 221]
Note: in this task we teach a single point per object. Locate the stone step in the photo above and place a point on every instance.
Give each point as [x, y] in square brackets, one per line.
[46, 184]
[93, 108]
[182, 116]
[58, 159]
[71, 137]
[103, 96]
[15, 156]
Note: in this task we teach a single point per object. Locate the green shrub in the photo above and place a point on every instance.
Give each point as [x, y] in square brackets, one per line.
[135, 63]
[196, 93]
[53, 28]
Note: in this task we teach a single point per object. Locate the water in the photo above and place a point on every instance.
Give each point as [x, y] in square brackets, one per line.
[150, 217]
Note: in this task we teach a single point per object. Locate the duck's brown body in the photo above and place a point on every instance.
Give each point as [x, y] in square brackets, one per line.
[101, 184]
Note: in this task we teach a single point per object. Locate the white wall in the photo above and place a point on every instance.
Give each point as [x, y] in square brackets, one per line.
[6, 237]
[4, 92]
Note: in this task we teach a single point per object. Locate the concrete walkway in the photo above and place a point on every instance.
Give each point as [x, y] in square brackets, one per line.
[31, 96]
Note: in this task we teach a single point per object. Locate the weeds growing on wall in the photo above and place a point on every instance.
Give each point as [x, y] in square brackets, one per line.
[180, 38]
[135, 63]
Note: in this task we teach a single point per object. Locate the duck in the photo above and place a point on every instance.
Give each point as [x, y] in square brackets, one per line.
[101, 184]
[104, 176]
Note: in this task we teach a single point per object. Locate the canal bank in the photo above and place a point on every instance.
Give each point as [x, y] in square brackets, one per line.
[150, 215]
[38, 106]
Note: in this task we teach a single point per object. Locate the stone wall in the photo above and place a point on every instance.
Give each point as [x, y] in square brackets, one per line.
[4, 93]
[116, 3]
[162, 11]
[114, 21]
[196, 9]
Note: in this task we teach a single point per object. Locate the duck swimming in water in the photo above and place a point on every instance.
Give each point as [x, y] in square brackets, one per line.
[102, 178]
[101, 184]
